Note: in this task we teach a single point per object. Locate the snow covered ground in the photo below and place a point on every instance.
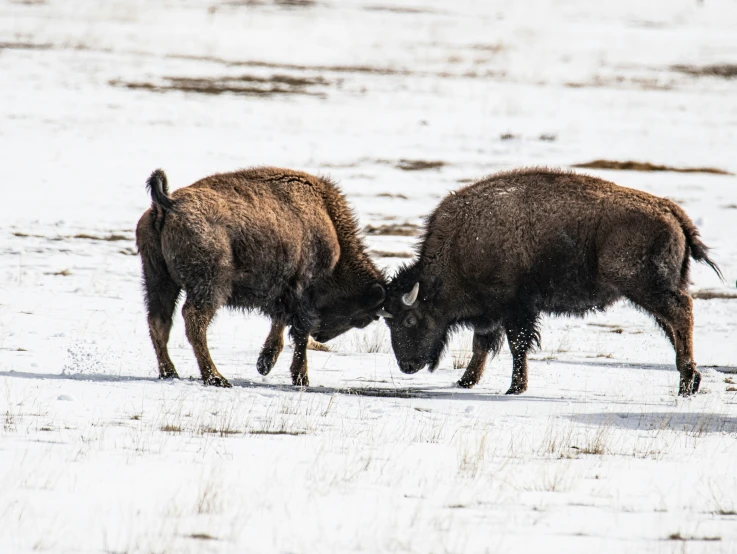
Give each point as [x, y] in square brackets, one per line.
[97, 455]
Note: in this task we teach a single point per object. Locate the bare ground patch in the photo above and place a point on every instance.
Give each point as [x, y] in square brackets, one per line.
[646, 166]
[388, 254]
[261, 3]
[419, 165]
[397, 9]
[25, 46]
[249, 85]
[393, 229]
[707, 294]
[112, 237]
[725, 71]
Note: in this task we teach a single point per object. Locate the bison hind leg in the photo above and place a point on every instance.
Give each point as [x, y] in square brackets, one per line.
[161, 295]
[673, 311]
[197, 318]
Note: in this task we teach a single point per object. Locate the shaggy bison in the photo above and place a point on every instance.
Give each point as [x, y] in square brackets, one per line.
[498, 253]
[282, 242]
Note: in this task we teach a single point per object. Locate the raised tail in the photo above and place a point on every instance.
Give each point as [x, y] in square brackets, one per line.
[158, 186]
[698, 250]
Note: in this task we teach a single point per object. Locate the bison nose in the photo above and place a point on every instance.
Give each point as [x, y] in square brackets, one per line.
[410, 367]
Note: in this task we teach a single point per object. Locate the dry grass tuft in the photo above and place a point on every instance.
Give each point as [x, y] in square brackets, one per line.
[171, 428]
[461, 359]
[374, 342]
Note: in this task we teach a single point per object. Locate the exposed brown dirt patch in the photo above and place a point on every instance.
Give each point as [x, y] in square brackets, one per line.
[388, 254]
[419, 165]
[397, 9]
[714, 295]
[646, 166]
[249, 85]
[24, 46]
[725, 71]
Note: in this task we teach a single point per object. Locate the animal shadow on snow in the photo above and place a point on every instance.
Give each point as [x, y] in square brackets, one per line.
[425, 392]
[439, 393]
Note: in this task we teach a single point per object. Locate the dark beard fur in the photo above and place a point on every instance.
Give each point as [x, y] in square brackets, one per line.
[439, 350]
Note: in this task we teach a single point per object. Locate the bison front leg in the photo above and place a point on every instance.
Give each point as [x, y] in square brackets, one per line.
[271, 349]
[299, 360]
[196, 321]
[521, 338]
[482, 346]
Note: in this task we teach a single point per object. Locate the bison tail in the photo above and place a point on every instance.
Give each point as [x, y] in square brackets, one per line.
[158, 186]
[698, 250]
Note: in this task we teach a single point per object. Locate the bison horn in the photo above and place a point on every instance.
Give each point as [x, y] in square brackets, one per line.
[383, 313]
[410, 298]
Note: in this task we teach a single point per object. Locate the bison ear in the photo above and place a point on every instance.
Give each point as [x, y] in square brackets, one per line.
[374, 297]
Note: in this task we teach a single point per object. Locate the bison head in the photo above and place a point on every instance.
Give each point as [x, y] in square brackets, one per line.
[418, 329]
[338, 315]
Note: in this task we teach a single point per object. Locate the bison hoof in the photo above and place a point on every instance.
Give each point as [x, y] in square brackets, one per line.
[687, 388]
[217, 381]
[172, 374]
[696, 383]
[516, 389]
[466, 383]
[300, 381]
[265, 363]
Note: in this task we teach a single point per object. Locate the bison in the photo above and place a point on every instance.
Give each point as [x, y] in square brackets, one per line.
[497, 254]
[281, 242]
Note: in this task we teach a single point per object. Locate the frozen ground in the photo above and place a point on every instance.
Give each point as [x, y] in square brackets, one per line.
[96, 455]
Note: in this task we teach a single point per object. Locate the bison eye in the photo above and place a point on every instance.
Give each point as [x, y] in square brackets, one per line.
[411, 321]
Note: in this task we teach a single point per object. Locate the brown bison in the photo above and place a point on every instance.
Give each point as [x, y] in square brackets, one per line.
[498, 253]
[282, 242]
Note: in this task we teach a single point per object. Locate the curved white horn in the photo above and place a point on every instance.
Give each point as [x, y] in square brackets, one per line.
[383, 313]
[411, 297]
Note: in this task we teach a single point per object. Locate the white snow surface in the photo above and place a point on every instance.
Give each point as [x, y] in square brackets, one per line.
[98, 455]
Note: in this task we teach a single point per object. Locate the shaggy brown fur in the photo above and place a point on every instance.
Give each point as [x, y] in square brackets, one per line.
[498, 253]
[278, 241]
